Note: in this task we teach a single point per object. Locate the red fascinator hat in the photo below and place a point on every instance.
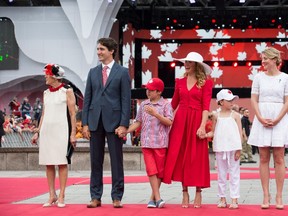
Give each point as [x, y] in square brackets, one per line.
[54, 70]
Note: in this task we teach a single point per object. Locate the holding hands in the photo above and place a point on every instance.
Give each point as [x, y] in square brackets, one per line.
[121, 131]
[201, 133]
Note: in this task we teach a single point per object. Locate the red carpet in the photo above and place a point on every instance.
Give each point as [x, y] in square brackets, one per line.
[16, 189]
[133, 210]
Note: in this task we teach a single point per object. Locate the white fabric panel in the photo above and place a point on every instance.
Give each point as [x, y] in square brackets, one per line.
[65, 35]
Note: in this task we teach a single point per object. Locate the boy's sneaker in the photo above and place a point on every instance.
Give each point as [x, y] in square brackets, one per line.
[151, 204]
[160, 203]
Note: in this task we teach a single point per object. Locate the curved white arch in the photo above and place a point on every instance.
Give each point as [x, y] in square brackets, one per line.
[66, 35]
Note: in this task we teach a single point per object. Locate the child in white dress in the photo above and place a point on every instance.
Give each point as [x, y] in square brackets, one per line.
[227, 133]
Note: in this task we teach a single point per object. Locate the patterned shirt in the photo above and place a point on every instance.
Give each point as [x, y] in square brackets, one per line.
[154, 134]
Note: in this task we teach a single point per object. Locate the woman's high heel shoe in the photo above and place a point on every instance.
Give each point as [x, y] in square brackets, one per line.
[266, 204]
[50, 202]
[60, 203]
[279, 204]
[198, 198]
[185, 200]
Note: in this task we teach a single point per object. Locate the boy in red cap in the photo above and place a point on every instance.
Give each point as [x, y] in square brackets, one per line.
[155, 118]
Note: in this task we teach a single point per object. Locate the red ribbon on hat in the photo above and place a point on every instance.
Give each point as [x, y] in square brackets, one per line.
[48, 69]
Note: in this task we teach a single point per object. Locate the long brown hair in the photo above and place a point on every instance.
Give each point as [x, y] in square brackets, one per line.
[199, 74]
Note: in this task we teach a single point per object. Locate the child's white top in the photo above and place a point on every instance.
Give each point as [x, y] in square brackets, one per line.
[226, 134]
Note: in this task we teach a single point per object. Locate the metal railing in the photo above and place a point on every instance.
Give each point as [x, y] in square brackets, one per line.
[15, 139]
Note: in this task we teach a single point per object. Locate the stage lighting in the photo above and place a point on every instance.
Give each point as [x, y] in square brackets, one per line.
[134, 2]
[172, 64]
[235, 64]
[249, 64]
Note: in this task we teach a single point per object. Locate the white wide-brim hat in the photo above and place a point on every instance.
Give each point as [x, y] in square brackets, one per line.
[196, 57]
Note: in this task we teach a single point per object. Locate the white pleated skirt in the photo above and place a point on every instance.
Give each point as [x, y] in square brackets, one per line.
[277, 136]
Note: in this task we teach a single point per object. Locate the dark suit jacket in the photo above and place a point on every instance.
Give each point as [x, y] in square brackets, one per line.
[113, 100]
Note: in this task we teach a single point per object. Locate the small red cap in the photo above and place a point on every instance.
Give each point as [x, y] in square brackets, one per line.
[155, 84]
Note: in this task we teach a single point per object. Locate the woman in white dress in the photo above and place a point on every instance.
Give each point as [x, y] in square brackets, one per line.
[269, 99]
[56, 131]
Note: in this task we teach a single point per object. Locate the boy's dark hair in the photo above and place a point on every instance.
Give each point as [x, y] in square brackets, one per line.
[110, 43]
[244, 109]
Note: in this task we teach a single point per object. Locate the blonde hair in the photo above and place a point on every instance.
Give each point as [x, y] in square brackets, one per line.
[200, 75]
[273, 53]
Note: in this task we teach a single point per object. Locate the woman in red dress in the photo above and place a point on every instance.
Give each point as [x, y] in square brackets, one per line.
[188, 157]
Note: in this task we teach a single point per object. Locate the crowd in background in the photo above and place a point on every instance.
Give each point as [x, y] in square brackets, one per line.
[21, 117]
[25, 117]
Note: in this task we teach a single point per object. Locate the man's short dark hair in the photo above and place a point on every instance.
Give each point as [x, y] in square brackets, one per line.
[110, 43]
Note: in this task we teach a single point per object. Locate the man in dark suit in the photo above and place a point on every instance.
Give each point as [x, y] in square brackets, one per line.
[106, 113]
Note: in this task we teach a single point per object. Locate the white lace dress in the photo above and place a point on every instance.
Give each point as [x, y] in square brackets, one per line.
[271, 91]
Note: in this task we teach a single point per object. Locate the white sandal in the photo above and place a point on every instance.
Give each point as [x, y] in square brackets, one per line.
[222, 204]
[233, 206]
